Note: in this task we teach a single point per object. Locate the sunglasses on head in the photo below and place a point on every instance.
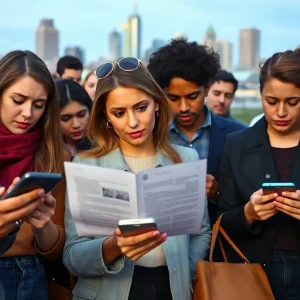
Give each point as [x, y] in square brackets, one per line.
[127, 64]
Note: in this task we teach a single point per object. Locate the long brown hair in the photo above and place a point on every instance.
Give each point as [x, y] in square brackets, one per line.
[16, 64]
[284, 66]
[105, 139]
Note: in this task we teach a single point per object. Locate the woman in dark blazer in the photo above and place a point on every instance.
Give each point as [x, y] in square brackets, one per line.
[266, 228]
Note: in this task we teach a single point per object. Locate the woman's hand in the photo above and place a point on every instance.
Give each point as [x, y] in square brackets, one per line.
[134, 247]
[260, 207]
[17, 208]
[289, 203]
[40, 218]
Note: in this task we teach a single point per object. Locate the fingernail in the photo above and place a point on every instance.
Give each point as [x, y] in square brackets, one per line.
[164, 235]
[41, 193]
[155, 233]
[284, 193]
[275, 195]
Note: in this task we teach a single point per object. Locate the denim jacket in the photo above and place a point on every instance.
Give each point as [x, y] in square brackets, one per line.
[83, 255]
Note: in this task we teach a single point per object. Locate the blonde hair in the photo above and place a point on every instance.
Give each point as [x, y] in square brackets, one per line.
[84, 81]
[105, 140]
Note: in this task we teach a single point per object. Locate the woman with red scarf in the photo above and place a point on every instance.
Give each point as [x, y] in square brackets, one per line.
[30, 140]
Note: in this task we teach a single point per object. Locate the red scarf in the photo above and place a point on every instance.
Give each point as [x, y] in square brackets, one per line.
[16, 154]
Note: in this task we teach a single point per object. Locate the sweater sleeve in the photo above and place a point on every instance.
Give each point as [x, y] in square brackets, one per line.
[58, 219]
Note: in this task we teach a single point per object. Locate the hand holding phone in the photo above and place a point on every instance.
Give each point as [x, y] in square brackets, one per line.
[288, 200]
[278, 188]
[260, 207]
[14, 209]
[136, 226]
[35, 180]
[134, 244]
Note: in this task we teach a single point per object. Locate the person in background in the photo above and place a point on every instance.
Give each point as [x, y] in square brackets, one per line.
[75, 107]
[90, 84]
[129, 126]
[266, 228]
[29, 141]
[221, 93]
[183, 70]
[69, 67]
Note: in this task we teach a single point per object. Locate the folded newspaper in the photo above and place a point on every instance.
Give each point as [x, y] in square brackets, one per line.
[174, 195]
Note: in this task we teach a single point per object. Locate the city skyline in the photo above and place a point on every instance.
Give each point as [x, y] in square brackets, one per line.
[89, 28]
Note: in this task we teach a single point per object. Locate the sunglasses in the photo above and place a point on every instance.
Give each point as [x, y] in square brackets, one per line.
[127, 64]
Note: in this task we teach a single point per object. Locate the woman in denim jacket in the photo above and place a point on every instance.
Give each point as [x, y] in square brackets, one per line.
[128, 125]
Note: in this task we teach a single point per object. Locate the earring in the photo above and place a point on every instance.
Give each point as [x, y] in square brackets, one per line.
[157, 114]
[108, 124]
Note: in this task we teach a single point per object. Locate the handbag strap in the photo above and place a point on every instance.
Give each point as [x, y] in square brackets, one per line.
[217, 228]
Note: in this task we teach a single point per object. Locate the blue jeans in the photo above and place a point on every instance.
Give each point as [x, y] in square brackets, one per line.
[285, 275]
[23, 278]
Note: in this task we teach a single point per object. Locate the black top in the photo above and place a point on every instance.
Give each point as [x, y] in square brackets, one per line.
[285, 235]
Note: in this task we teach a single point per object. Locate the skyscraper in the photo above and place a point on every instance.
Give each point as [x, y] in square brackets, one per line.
[224, 49]
[132, 40]
[249, 49]
[47, 40]
[115, 44]
[155, 45]
[77, 52]
[210, 38]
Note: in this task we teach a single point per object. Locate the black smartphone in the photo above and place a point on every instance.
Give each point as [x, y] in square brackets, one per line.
[35, 180]
[136, 226]
[278, 187]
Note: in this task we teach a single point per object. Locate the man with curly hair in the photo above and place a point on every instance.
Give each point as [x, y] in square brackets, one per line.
[183, 70]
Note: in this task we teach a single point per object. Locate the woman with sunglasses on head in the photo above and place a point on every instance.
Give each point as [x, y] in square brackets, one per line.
[265, 225]
[29, 141]
[75, 107]
[128, 125]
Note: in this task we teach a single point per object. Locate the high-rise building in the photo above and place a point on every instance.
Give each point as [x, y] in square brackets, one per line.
[210, 38]
[77, 52]
[47, 40]
[224, 49]
[249, 49]
[155, 45]
[115, 44]
[132, 40]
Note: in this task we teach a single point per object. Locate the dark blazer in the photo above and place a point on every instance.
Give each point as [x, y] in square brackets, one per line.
[220, 128]
[247, 162]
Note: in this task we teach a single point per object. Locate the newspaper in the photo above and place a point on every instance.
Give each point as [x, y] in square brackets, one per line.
[174, 195]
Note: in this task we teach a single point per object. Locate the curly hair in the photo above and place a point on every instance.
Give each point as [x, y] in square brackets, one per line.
[183, 59]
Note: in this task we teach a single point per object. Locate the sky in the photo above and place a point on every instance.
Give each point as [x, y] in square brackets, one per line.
[88, 23]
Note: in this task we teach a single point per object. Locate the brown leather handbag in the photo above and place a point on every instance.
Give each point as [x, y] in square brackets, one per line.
[229, 281]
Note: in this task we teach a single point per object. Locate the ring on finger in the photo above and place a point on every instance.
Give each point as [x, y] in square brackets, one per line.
[19, 222]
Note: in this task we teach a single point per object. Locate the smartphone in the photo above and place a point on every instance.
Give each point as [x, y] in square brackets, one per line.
[136, 226]
[35, 180]
[278, 187]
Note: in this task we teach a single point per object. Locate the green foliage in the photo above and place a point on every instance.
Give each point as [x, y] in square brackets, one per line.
[246, 114]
